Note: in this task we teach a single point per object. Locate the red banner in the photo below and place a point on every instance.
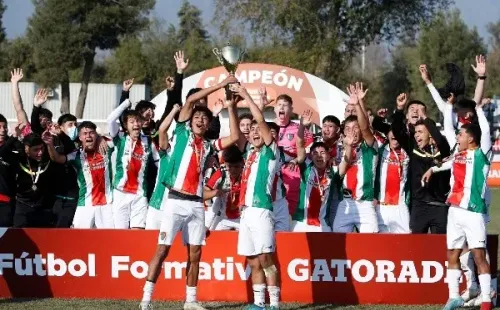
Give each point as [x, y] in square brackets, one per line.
[315, 267]
[494, 175]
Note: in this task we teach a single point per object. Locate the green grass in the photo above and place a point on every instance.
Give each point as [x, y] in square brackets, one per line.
[493, 228]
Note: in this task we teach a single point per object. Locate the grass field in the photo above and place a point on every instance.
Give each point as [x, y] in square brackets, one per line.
[17, 304]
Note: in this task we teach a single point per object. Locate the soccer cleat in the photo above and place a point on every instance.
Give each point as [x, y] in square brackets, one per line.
[454, 303]
[193, 306]
[254, 307]
[487, 305]
[469, 294]
[145, 305]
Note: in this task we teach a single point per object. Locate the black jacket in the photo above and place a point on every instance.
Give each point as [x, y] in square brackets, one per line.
[436, 191]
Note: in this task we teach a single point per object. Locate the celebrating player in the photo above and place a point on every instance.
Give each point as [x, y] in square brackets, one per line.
[318, 180]
[160, 192]
[133, 151]
[391, 188]
[188, 153]
[93, 176]
[224, 187]
[256, 236]
[466, 216]
[356, 210]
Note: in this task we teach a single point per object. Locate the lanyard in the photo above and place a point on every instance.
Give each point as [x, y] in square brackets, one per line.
[34, 175]
[199, 153]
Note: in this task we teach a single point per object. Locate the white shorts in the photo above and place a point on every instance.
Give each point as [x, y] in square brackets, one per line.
[281, 215]
[465, 226]
[256, 235]
[393, 219]
[154, 218]
[94, 217]
[360, 214]
[304, 227]
[228, 224]
[129, 210]
[186, 216]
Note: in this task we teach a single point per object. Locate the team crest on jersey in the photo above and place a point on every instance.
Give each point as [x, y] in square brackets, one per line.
[163, 235]
[289, 136]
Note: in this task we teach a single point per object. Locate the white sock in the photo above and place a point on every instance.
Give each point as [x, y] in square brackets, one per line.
[453, 277]
[190, 294]
[148, 291]
[467, 265]
[259, 294]
[274, 295]
[485, 284]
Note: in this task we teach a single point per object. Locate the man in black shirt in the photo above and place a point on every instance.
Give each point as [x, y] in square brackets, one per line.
[7, 175]
[427, 147]
[35, 188]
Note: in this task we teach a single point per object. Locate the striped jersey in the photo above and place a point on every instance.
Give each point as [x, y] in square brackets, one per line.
[130, 160]
[392, 176]
[188, 155]
[258, 175]
[359, 180]
[469, 174]
[221, 179]
[93, 176]
[315, 196]
[159, 191]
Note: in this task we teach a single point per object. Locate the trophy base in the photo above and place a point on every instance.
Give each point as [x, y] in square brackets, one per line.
[229, 93]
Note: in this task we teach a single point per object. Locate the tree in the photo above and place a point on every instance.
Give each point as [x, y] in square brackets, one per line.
[493, 82]
[329, 33]
[128, 61]
[445, 39]
[190, 23]
[66, 34]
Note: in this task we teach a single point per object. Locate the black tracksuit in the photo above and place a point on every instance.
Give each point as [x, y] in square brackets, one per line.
[427, 204]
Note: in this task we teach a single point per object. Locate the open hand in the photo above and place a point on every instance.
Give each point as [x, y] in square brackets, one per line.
[426, 177]
[480, 67]
[180, 62]
[218, 106]
[47, 137]
[40, 97]
[360, 91]
[16, 75]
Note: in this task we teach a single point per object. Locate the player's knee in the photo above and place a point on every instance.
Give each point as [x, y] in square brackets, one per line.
[270, 271]
[161, 252]
[254, 263]
[194, 254]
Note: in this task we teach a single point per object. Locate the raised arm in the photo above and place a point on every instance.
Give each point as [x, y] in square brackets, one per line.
[347, 156]
[48, 138]
[234, 128]
[187, 109]
[364, 125]
[165, 124]
[449, 131]
[305, 121]
[16, 76]
[398, 125]
[127, 85]
[174, 85]
[113, 126]
[257, 114]
[426, 77]
[40, 99]
[480, 70]
[484, 125]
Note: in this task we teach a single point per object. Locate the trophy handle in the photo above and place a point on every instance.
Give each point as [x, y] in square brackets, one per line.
[218, 54]
[243, 52]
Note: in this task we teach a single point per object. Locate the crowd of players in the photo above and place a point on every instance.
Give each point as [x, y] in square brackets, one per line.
[370, 173]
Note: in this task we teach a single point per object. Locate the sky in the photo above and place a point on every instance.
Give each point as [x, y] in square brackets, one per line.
[476, 13]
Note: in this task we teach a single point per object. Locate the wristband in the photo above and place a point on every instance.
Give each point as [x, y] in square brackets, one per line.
[482, 77]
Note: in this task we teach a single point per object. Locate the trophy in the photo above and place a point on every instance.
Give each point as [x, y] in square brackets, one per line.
[230, 57]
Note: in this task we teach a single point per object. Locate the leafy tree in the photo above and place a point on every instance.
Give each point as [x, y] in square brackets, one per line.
[493, 82]
[327, 33]
[190, 23]
[66, 34]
